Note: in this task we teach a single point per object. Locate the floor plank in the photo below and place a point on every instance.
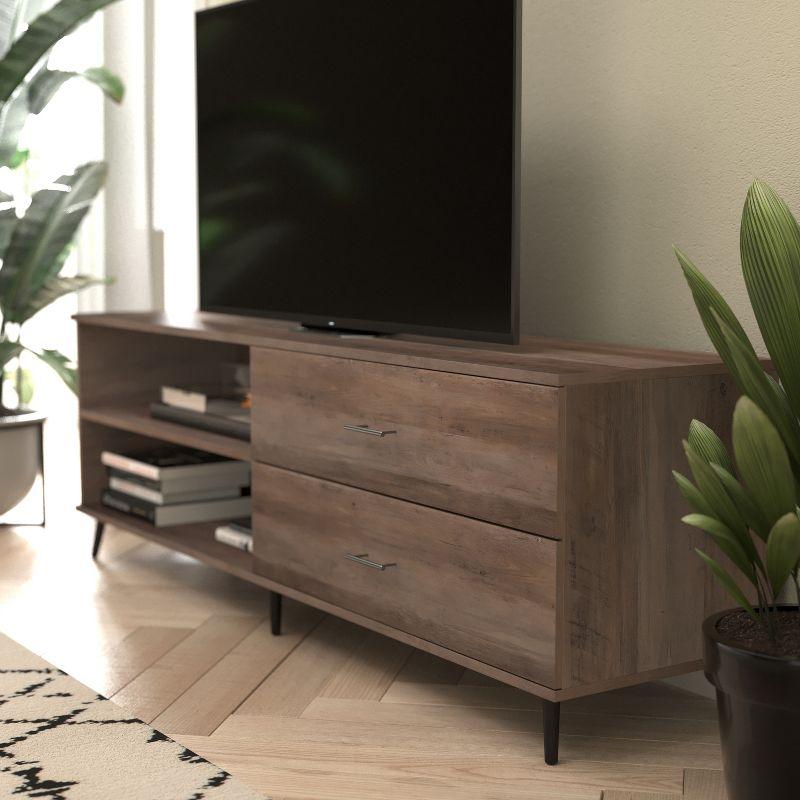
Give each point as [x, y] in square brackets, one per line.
[153, 690]
[425, 668]
[203, 707]
[318, 658]
[704, 785]
[370, 670]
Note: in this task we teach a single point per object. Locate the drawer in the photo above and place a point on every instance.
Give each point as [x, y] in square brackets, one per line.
[480, 447]
[474, 588]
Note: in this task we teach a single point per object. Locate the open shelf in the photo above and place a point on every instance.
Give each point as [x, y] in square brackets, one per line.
[137, 419]
[195, 540]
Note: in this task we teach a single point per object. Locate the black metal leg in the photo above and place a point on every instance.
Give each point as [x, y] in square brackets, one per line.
[98, 538]
[275, 608]
[552, 720]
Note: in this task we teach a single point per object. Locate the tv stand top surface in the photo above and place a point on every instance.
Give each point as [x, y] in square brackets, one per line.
[538, 360]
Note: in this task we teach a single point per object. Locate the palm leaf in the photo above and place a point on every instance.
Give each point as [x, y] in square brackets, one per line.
[43, 234]
[13, 116]
[764, 391]
[42, 34]
[692, 495]
[8, 221]
[712, 307]
[770, 243]
[783, 551]
[47, 82]
[727, 542]
[52, 290]
[709, 445]
[714, 493]
[64, 367]
[752, 514]
[729, 584]
[8, 350]
[763, 461]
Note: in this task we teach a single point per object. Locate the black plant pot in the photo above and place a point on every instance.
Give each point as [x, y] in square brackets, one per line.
[758, 700]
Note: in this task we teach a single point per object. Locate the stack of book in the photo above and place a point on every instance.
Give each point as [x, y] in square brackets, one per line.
[177, 486]
[218, 408]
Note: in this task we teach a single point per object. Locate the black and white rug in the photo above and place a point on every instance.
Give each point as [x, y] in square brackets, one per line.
[61, 741]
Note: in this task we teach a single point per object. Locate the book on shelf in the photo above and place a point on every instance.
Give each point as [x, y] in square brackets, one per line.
[164, 497]
[236, 534]
[172, 463]
[178, 514]
[235, 423]
[220, 399]
[179, 485]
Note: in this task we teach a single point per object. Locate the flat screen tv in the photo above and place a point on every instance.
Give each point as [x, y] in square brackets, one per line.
[358, 164]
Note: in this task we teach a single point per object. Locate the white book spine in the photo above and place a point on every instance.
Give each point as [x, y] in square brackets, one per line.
[182, 398]
[129, 465]
[234, 538]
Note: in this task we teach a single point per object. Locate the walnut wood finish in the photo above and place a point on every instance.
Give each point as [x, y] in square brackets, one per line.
[479, 447]
[629, 592]
[547, 362]
[634, 589]
[480, 590]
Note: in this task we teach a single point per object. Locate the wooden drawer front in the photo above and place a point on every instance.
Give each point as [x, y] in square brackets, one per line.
[469, 586]
[480, 447]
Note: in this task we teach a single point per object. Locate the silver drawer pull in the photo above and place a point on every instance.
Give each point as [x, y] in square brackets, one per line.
[363, 559]
[369, 431]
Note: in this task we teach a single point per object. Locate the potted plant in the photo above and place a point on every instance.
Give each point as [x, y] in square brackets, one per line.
[747, 503]
[36, 231]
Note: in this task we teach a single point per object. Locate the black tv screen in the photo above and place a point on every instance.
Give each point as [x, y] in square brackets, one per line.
[358, 163]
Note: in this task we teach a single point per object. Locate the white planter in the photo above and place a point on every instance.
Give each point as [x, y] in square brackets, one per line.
[19, 458]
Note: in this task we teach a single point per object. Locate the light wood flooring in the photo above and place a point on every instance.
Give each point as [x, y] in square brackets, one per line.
[327, 711]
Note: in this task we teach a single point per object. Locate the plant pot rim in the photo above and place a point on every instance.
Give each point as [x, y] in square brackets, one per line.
[12, 418]
[712, 634]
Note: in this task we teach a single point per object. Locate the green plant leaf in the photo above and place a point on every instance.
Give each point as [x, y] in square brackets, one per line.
[61, 365]
[692, 495]
[714, 493]
[8, 221]
[8, 351]
[34, 254]
[768, 395]
[709, 445]
[752, 514]
[712, 307]
[727, 542]
[763, 461]
[783, 551]
[770, 245]
[46, 83]
[730, 585]
[13, 116]
[42, 34]
[54, 289]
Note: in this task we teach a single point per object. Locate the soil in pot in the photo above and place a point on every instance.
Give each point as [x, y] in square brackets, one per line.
[758, 700]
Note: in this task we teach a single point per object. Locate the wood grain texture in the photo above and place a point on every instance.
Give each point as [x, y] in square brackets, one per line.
[467, 585]
[478, 447]
[220, 691]
[158, 686]
[704, 784]
[456, 748]
[635, 592]
[538, 360]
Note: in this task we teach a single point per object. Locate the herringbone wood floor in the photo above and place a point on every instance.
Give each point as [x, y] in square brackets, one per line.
[327, 711]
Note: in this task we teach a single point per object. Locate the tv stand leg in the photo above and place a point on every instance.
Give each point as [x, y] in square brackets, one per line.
[552, 720]
[275, 612]
[99, 529]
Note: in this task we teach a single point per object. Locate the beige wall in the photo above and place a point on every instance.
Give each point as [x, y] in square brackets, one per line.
[644, 121]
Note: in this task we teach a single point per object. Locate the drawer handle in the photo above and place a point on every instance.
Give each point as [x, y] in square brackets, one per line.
[367, 430]
[363, 559]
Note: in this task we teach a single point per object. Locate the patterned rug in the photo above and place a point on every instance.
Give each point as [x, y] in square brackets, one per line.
[61, 741]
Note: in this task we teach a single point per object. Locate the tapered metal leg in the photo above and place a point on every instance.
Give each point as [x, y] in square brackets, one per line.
[275, 609]
[552, 721]
[98, 538]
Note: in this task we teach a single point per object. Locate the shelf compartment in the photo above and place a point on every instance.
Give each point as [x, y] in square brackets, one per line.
[195, 540]
[137, 419]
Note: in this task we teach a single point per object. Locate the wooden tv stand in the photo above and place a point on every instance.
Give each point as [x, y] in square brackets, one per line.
[507, 508]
